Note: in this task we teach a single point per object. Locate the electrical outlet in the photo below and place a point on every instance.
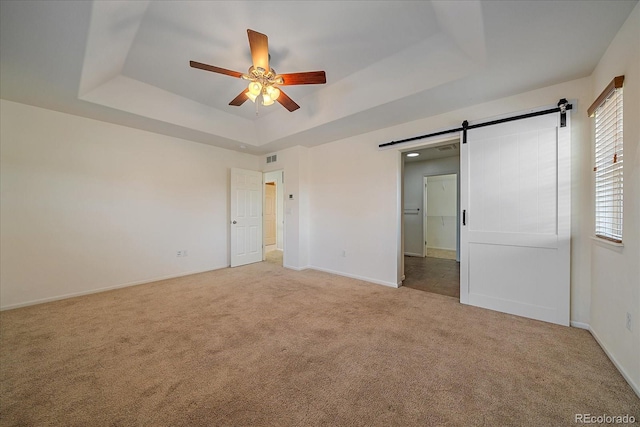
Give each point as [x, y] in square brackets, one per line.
[629, 321]
[179, 253]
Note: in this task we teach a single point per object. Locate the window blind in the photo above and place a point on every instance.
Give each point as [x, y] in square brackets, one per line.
[609, 182]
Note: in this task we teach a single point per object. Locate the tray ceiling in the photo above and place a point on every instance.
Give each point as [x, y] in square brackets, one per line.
[387, 62]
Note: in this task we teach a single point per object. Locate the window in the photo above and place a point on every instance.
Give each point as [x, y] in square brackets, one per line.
[607, 110]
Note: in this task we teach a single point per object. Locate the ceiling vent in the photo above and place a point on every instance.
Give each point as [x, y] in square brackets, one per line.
[272, 158]
[447, 147]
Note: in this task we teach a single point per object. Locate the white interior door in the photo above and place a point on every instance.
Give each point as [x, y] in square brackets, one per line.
[246, 217]
[515, 201]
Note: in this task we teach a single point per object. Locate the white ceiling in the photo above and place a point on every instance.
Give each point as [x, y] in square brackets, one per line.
[387, 62]
[432, 152]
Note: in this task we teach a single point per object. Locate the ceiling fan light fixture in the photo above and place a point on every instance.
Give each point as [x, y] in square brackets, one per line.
[273, 92]
[255, 88]
[263, 80]
[266, 99]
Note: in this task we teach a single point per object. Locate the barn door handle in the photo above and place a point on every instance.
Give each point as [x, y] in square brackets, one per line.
[464, 217]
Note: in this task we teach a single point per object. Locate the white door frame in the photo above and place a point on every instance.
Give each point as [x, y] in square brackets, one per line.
[428, 142]
[279, 218]
[424, 215]
[268, 186]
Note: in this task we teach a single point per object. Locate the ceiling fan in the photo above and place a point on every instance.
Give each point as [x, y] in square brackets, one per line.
[263, 80]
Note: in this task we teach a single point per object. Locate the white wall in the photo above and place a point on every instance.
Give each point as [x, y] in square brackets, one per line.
[356, 201]
[87, 205]
[414, 173]
[354, 209]
[615, 272]
[346, 198]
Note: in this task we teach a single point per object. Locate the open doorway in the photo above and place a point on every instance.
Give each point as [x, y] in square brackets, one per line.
[431, 224]
[440, 207]
[273, 218]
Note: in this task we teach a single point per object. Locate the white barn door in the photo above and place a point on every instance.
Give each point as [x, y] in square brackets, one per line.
[516, 204]
[246, 217]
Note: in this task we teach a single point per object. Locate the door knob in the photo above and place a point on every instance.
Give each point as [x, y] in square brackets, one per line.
[234, 222]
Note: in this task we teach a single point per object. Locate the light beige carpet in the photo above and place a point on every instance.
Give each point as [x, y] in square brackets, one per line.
[264, 346]
[274, 257]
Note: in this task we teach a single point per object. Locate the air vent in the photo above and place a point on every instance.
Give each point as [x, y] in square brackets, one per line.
[447, 147]
[272, 159]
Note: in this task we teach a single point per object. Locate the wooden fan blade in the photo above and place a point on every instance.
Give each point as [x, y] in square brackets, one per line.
[213, 69]
[259, 44]
[306, 78]
[240, 99]
[287, 102]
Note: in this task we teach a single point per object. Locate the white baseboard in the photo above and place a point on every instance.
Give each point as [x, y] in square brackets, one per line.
[355, 276]
[413, 254]
[290, 267]
[441, 249]
[615, 362]
[580, 325]
[351, 276]
[104, 289]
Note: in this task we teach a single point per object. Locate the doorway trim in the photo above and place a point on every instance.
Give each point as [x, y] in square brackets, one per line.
[280, 214]
[405, 148]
